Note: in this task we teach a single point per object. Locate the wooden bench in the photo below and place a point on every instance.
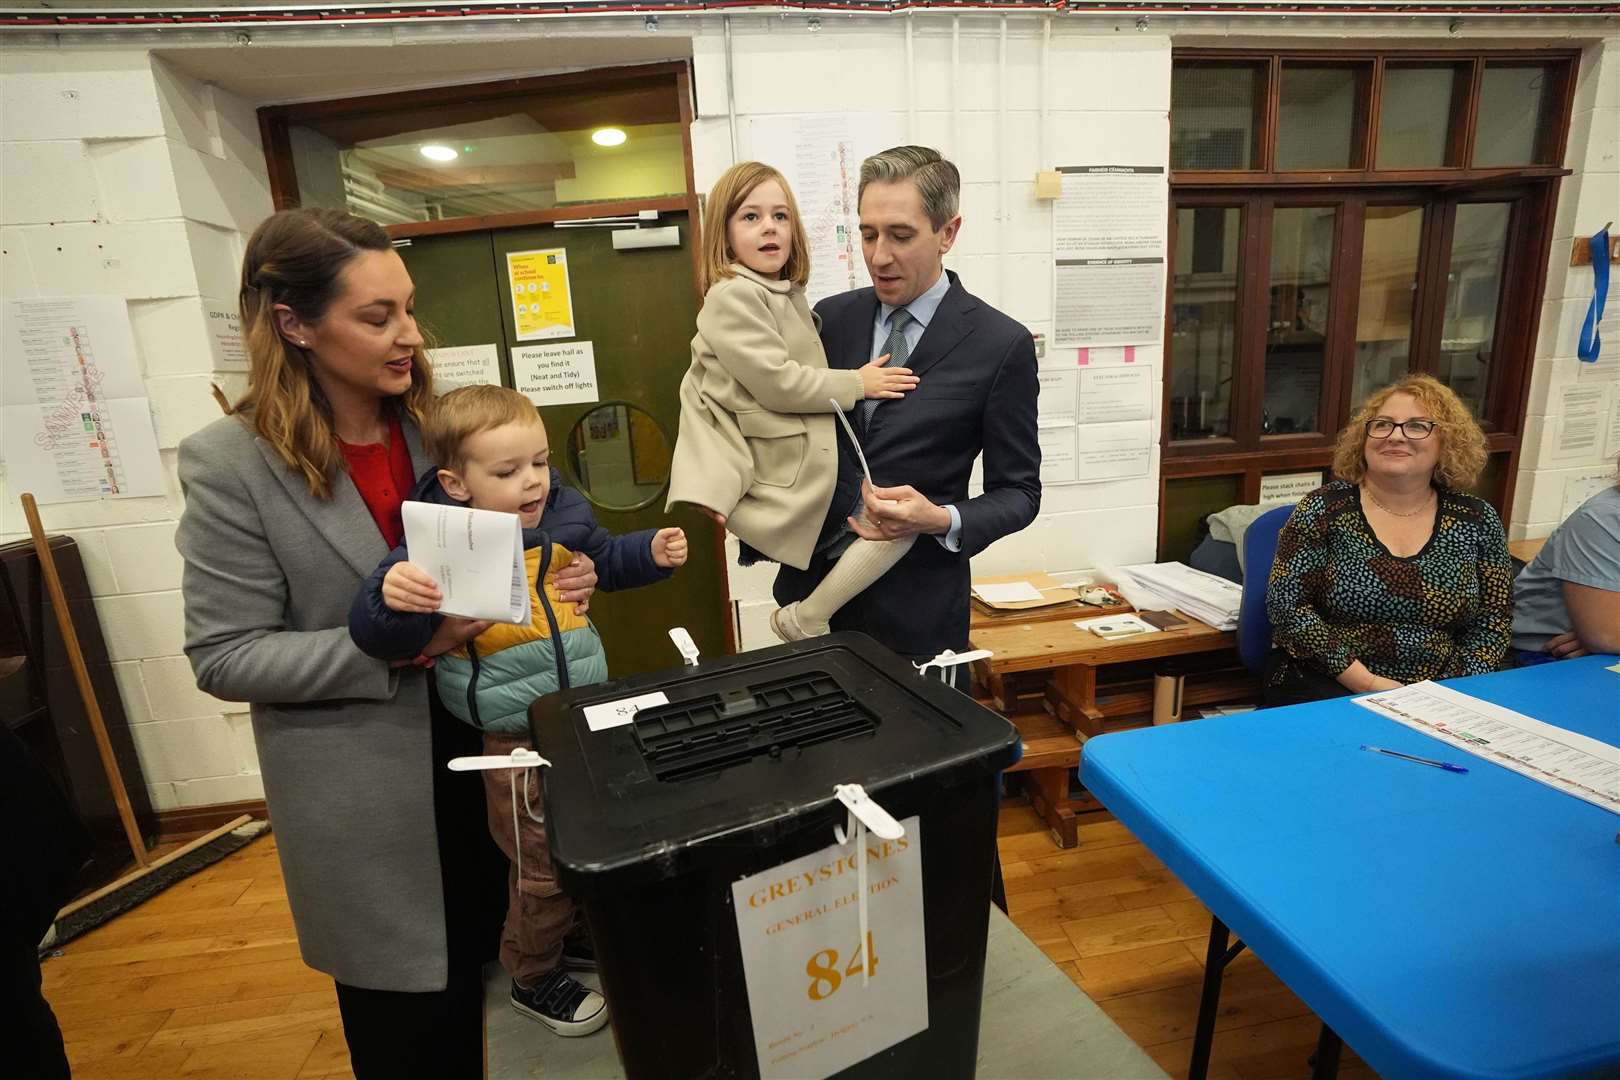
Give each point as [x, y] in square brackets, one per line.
[1087, 686]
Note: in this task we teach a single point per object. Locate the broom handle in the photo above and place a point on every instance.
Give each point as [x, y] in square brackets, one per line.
[81, 675]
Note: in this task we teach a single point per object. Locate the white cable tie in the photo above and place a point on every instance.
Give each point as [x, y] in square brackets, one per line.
[684, 645]
[521, 758]
[870, 814]
[951, 658]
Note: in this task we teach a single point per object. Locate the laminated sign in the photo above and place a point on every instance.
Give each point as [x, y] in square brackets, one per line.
[822, 998]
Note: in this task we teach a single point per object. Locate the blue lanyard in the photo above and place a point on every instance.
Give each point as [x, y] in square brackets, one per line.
[1591, 342]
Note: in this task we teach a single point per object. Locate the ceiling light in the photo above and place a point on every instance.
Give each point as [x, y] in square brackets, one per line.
[608, 136]
[436, 152]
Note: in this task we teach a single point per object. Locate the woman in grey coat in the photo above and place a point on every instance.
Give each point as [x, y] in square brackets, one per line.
[290, 502]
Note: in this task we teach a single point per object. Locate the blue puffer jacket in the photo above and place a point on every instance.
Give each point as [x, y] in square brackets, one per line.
[491, 683]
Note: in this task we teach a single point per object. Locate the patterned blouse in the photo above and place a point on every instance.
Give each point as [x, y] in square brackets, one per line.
[1337, 595]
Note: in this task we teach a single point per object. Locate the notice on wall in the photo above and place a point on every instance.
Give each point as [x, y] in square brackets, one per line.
[1111, 211]
[1057, 454]
[1107, 301]
[465, 365]
[1583, 420]
[1116, 393]
[77, 424]
[1115, 451]
[821, 157]
[563, 374]
[1289, 487]
[823, 999]
[1607, 366]
[1584, 485]
[1614, 427]
[542, 299]
[225, 336]
[1057, 401]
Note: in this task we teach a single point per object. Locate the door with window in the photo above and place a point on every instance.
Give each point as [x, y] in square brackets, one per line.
[636, 308]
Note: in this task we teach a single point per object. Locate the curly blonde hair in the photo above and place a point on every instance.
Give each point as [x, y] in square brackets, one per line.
[1462, 443]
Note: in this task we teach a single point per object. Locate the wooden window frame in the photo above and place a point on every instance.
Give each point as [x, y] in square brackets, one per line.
[275, 120]
[1532, 190]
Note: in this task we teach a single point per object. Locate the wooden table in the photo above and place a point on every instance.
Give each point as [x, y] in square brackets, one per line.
[1070, 660]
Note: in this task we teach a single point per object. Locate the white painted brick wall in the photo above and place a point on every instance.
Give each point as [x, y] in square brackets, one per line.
[1586, 200]
[1109, 101]
[123, 177]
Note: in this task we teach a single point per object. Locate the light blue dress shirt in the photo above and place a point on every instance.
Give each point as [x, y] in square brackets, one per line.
[922, 312]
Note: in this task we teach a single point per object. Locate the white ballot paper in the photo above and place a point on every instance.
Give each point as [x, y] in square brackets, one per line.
[476, 556]
[1570, 762]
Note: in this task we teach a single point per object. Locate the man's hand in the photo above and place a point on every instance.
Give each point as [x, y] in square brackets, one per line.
[1565, 646]
[576, 582]
[893, 512]
[407, 587]
[669, 548]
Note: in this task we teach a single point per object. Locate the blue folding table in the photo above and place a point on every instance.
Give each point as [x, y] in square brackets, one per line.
[1443, 924]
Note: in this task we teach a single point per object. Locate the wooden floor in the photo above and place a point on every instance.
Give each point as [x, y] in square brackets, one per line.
[204, 980]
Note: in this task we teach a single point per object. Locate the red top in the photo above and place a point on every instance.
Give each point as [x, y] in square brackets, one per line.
[383, 474]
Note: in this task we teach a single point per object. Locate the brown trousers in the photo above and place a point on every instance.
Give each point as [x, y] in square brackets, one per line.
[538, 914]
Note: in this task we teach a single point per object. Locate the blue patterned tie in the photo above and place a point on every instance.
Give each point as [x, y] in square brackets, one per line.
[899, 352]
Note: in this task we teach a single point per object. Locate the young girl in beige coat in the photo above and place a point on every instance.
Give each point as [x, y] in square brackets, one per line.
[757, 448]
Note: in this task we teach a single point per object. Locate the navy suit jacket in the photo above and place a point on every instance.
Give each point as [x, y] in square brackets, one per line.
[977, 392]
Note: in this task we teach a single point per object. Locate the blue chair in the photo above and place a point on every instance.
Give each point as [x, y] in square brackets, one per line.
[1259, 550]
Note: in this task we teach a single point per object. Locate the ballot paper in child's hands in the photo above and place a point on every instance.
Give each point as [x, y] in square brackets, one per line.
[475, 556]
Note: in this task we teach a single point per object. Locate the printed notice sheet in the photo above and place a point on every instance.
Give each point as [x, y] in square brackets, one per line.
[562, 374]
[1114, 451]
[1057, 445]
[823, 999]
[1056, 403]
[1570, 762]
[542, 298]
[1111, 211]
[76, 419]
[465, 365]
[1107, 301]
[475, 556]
[1583, 418]
[1115, 393]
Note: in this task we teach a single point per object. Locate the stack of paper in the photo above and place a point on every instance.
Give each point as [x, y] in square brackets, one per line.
[1205, 597]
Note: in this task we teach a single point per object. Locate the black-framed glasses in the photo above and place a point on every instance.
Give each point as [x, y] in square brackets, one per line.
[1412, 429]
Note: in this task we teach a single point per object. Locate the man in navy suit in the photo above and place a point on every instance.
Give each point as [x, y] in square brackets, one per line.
[976, 393]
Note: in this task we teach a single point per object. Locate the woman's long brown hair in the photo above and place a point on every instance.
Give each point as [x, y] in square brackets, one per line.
[296, 257]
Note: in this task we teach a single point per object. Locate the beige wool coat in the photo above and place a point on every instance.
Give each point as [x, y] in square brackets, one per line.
[757, 440]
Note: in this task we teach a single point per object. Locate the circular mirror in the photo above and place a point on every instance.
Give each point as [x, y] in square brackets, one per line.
[619, 456]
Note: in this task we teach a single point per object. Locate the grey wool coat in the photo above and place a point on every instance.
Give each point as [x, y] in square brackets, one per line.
[757, 441]
[344, 741]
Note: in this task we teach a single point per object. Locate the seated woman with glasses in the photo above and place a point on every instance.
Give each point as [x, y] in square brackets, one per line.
[1391, 574]
[1567, 601]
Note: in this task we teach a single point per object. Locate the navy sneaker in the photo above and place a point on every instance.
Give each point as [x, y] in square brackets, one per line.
[562, 1003]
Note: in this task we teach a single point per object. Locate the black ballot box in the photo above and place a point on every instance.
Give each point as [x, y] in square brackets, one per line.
[669, 827]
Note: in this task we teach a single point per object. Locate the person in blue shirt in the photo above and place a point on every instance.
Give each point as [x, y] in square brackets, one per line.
[1566, 603]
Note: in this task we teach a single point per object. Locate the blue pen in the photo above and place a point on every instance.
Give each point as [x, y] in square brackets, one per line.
[1446, 765]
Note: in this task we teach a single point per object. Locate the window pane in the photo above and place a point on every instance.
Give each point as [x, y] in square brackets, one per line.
[1296, 334]
[1317, 128]
[1215, 115]
[493, 156]
[1389, 262]
[1513, 101]
[1414, 118]
[1473, 283]
[1203, 320]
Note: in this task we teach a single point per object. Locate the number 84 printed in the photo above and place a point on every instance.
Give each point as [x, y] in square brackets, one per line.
[825, 978]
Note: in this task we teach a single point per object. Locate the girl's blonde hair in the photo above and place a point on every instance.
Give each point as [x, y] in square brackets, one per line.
[296, 257]
[715, 257]
[1462, 443]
